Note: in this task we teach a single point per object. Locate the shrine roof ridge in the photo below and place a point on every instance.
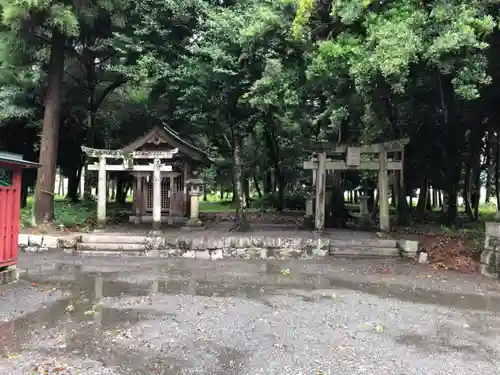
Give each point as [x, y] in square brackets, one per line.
[167, 135]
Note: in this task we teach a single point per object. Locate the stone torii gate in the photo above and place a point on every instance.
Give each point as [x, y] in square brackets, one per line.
[343, 158]
[128, 166]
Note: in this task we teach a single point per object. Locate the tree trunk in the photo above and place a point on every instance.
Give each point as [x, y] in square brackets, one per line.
[451, 194]
[241, 223]
[274, 154]
[476, 193]
[402, 210]
[257, 188]
[268, 183]
[24, 195]
[467, 183]
[121, 189]
[44, 193]
[221, 192]
[246, 190]
[73, 184]
[497, 171]
[422, 198]
[451, 211]
[489, 164]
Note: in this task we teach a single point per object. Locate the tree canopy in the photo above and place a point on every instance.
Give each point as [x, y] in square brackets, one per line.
[255, 82]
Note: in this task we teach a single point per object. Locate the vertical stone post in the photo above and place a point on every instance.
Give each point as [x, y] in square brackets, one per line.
[320, 192]
[102, 193]
[82, 182]
[364, 212]
[138, 198]
[156, 194]
[186, 188]
[383, 192]
[195, 185]
[309, 217]
[171, 201]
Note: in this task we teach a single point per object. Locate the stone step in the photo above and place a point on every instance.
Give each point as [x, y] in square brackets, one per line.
[369, 242]
[114, 238]
[114, 249]
[253, 240]
[112, 252]
[365, 251]
[120, 246]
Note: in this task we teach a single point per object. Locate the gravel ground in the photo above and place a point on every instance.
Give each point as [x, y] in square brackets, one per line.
[141, 316]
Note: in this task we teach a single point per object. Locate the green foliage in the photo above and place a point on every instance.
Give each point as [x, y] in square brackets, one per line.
[71, 215]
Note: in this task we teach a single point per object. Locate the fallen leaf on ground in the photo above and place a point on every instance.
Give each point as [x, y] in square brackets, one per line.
[14, 356]
[285, 272]
[379, 328]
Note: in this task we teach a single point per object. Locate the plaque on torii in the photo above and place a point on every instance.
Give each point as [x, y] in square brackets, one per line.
[353, 156]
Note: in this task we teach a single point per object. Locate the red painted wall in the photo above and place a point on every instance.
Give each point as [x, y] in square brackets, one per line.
[10, 207]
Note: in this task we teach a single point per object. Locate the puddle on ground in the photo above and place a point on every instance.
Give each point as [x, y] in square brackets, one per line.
[84, 323]
[269, 280]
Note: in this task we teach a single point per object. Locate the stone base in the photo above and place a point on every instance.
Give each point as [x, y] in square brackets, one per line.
[193, 223]
[490, 262]
[147, 219]
[219, 246]
[308, 223]
[408, 248]
[8, 275]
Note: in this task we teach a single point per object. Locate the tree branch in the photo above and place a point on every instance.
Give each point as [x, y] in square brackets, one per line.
[77, 80]
[107, 91]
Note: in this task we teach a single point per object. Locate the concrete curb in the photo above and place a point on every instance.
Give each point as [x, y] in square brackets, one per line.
[212, 246]
[408, 248]
[38, 243]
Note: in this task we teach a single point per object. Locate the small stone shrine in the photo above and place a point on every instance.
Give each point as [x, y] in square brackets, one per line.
[164, 166]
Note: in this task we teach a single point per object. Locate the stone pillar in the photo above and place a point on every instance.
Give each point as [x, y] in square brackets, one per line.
[195, 185]
[320, 192]
[138, 196]
[490, 256]
[82, 182]
[171, 201]
[156, 194]
[383, 192]
[364, 212]
[186, 189]
[102, 193]
[309, 217]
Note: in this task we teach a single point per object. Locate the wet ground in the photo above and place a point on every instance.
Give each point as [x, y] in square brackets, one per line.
[120, 316]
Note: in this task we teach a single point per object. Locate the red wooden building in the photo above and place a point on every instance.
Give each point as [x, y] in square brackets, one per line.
[11, 166]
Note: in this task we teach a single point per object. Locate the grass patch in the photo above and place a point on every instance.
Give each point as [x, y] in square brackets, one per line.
[71, 215]
[221, 206]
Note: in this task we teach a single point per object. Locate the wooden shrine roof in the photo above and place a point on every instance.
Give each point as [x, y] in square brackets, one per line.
[166, 135]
